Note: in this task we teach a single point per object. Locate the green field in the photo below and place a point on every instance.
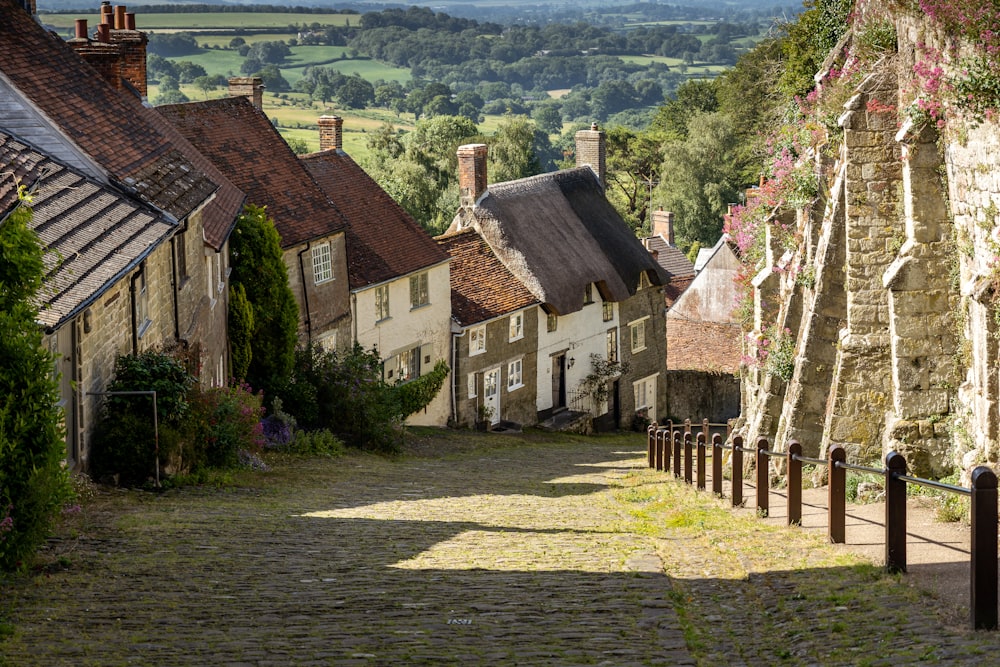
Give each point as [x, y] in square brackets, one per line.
[213, 21]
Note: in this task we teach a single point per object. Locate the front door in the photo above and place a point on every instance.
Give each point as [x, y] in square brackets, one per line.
[558, 381]
[491, 394]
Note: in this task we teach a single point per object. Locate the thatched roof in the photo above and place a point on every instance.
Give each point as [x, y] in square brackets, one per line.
[557, 233]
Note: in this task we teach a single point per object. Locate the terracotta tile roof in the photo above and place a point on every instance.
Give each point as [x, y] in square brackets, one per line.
[383, 240]
[481, 286]
[703, 346]
[673, 289]
[93, 234]
[558, 233]
[243, 144]
[125, 138]
[673, 261]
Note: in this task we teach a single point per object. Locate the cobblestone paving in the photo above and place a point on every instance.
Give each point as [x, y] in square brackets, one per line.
[498, 557]
[533, 551]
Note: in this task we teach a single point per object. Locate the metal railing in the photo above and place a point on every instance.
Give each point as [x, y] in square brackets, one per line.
[662, 441]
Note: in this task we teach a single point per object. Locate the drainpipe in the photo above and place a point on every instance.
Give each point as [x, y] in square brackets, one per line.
[305, 292]
[354, 315]
[135, 324]
[177, 288]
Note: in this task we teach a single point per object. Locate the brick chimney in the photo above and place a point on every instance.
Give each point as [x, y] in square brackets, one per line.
[591, 149]
[471, 173]
[251, 87]
[663, 225]
[331, 133]
[118, 51]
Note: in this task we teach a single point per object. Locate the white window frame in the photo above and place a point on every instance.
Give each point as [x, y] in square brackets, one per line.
[381, 303]
[477, 340]
[637, 334]
[611, 341]
[551, 322]
[404, 365]
[322, 262]
[514, 375]
[608, 311]
[419, 291]
[515, 329]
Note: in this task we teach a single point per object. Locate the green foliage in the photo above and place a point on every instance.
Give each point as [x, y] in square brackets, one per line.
[314, 443]
[595, 384]
[225, 421]
[512, 154]
[152, 370]
[34, 484]
[258, 267]
[416, 394]
[633, 163]
[241, 326]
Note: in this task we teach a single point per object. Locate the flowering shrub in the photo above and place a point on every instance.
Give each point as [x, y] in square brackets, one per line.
[227, 422]
[773, 351]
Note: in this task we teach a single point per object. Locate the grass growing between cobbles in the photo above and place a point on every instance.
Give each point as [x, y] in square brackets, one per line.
[774, 595]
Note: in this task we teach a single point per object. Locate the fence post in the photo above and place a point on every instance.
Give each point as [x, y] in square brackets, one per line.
[895, 513]
[717, 464]
[677, 454]
[688, 463]
[984, 549]
[701, 461]
[794, 468]
[666, 444]
[650, 444]
[737, 471]
[705, 430]
[837, 496]
[658, 448]
[762, 478]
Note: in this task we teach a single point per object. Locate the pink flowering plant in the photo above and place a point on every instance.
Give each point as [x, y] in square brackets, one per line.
[229, 430]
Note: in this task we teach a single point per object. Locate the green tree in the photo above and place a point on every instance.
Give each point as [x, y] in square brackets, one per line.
[34, 484]
[699, 178]
[633, 164]
[258, 267]
[241, 325]
[512, 153]
[205, 84]
[548, 118]
[355, 93]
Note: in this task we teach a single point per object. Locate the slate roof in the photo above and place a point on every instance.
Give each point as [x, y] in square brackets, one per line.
[383, 241]
[673, 261]
[93, 235]
[557, 233]
[703, 346]
[481, 286]
[128, 140]
[241, 142]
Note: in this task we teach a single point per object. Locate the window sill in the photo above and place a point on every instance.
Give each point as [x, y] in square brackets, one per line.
[637, 350]
[515, 387]
[476, 353]
[419, 306]
[143, 328]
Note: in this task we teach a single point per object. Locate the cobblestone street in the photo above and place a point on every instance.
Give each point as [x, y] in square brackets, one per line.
[522, 553]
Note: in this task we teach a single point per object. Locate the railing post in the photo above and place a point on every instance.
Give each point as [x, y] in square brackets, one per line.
[984, 549]
[763, 491]
[701, 461]
[837, 496]
[658, 450]
[677, 454]
[895, 513]
[717, 464]
[737, 470]
[794, 467]
[667, 445]
[650, 444]
[705, 430]
[688, 463]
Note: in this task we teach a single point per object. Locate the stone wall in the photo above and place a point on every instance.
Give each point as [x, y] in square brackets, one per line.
[698, 395]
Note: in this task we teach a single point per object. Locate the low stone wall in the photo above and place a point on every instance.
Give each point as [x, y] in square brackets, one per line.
[697, 395]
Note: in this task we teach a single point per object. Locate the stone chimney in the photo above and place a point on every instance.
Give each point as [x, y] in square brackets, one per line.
[331, 133]
[591, 149]
[118, 50]
[663, 225]
[248, 86]
[471, 173]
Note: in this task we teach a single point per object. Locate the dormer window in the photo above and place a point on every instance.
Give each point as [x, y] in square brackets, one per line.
[588, 293]
[322, 261]
[516, 327]
[419, 295]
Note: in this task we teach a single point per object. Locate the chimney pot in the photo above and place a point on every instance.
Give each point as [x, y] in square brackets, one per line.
[104, 33]
[81, 29]
[120, 17]
[331, 133]
[471, 173]
[130, 21]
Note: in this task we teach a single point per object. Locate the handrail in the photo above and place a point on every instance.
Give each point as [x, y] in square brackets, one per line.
[983, 494]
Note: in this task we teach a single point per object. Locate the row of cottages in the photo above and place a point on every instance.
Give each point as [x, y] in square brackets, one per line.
[135, 220]
[362, 270]
[549, 285]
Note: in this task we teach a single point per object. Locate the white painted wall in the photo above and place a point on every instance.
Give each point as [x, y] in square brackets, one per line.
[428, 325]
[580, 334]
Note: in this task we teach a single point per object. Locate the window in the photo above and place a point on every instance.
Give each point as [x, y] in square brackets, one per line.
[322, 264]
[472, 385]
[516, 327]
[418, 291]
[637, 334]
[551, 322]
[588, 293]
[612, 337]
[381, 303]
[644, 391]
[477, 340]
[182, 264]
[327, 341]
[608, 310]
[514, 375]
[404, 366]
